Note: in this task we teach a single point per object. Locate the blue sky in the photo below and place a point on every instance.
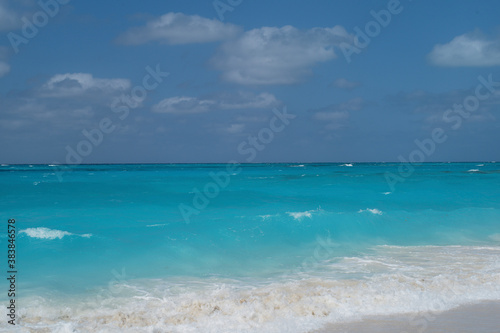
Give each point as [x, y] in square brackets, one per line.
[73, 79]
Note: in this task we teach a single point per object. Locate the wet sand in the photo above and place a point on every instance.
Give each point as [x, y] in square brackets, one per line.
[477, 318]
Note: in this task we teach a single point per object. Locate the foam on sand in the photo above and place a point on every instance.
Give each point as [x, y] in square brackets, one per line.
[397, 280]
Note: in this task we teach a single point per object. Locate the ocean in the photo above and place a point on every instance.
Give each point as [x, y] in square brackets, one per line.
[246, 248]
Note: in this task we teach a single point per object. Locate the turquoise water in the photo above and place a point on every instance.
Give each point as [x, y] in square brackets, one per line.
[269, 246]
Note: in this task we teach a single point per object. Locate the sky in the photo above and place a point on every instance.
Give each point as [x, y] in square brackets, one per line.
[182, 81]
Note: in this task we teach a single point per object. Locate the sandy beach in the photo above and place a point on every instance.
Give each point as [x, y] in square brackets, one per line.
[476, 318]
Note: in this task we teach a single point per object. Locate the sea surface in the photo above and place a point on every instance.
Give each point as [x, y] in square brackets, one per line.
[248, 248]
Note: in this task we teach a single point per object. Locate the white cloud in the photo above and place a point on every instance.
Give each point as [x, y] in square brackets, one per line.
[62, 85]
[182, 104]
[64, 103]
[354, 104]
[345, 84]
[241, 100]
[252, 119]
[4, 68]
[429, 108]
[471, 49]
[248, 101]
[337, 115]
[177, 28]
[272, 55]
[235, 128]
[9, 19]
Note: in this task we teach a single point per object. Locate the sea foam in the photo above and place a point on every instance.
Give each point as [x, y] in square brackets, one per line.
[374, 211]
[396, 280]
[46, 233]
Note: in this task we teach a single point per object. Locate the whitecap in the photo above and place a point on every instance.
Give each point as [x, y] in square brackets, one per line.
[374, 211]
[347, 165]
[473, 170]
[156, 225]
[386, 193]
[46, 233]
[300, 215]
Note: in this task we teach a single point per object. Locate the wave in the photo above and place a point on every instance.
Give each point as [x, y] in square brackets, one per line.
[394, 280]
[46, 233]
[374, 211]
[267, 216]
[495, 237]
[300, 215]
[347, 165]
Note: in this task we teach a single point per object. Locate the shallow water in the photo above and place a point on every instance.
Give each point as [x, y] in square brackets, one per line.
[274, 247]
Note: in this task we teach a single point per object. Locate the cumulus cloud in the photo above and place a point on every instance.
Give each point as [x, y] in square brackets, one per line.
[72, 84]
[241, 100]
[272, 55]
[470, 49]
[64, 102]
[345, 84]
[245, 100]
[177, 28]
[183, 104]
[336, 115]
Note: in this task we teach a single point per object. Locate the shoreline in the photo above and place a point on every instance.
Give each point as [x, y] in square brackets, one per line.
[474, 318]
